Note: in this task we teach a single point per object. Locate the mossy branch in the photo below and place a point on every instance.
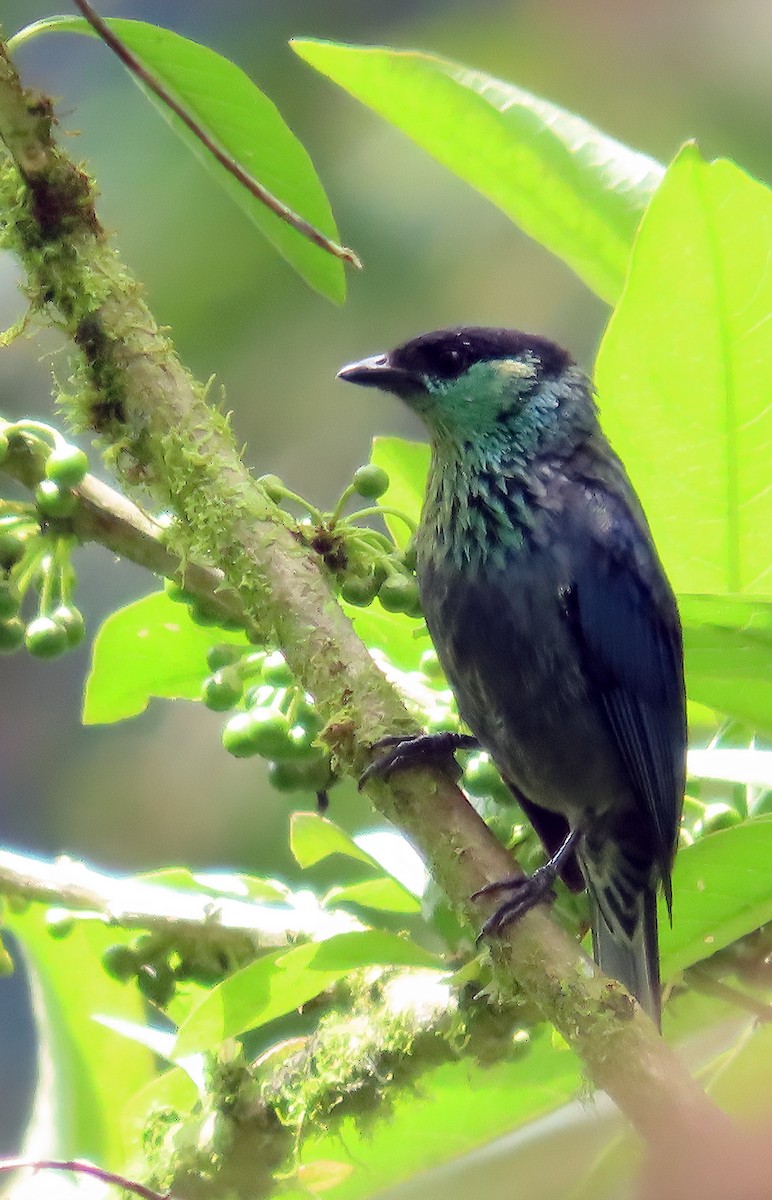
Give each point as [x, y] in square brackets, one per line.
[131, 389]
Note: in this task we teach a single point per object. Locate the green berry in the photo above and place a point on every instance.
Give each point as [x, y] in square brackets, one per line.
[120, 962]
[258, 731]
[11, 635]
[222, 691]
[45, 638]
[12, 548]
[716, 817]
[371, 481]
[311, 776]
[10, 601]
[481, 777]
[273, 486]
[316, 773]
[307, 715]
[286, 776]
[238, 736]
[276, 672]
[66, 465]
[360, 590]
[53, 500]
[223, 655]
[301, 745]
[398, 594]
[71, 620]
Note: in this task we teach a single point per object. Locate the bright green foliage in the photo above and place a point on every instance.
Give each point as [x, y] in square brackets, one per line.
[245, 123]
[79, 1101]
[721, 889]
[572, 188]
[150, 648]
[277, 983]
[683, 376]
[728, 646]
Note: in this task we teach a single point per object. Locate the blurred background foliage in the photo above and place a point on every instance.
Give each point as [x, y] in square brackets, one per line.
[160, 789]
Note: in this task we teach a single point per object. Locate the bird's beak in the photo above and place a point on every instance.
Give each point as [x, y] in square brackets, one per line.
[378, 372]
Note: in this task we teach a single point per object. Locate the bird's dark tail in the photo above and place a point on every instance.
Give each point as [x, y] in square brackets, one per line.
[626, 949]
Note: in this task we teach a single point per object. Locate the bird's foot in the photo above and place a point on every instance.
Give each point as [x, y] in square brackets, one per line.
[400, 752]
[525, 892]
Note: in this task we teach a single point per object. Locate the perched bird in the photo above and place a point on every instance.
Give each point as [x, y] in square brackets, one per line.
[554, 622]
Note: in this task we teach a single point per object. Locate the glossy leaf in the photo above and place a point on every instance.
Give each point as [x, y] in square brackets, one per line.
[314, 838]
[683, 375]
[149, 648]
[383, 895]
[280, 982]
[88, 1071]
[728, 651]
[246, 124]
[722, 890]
[568, 185]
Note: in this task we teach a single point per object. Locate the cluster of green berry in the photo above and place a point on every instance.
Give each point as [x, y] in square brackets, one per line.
[274, 717]
[36, 547]
[159, 962]
[364, 563]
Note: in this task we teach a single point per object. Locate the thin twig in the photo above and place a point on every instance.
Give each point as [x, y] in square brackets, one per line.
[132, 903]
[133, 64]
[82, 1168]
[106, 516]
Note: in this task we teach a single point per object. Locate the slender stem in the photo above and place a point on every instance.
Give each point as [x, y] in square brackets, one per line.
[344, 497]
[82, 1168]
[137, 904]
[379, 510]
[133, 64]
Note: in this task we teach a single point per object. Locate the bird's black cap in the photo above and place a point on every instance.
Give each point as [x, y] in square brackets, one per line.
[448, 353]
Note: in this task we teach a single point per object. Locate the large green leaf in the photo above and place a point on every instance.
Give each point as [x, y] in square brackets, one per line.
[567, 184]
[88, 1071]
[728, 651]
[149, 648]
[244, 123]
[722, 889]
[684, 371]
[280, 982]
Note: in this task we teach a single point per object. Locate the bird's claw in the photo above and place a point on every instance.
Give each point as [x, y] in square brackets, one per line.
[401, 752]
[526, 891]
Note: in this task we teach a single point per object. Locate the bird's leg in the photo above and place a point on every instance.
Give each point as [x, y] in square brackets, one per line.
[400, 752]
[526, 891]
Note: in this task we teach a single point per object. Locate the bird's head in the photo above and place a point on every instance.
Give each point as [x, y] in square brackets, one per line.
[472, 384]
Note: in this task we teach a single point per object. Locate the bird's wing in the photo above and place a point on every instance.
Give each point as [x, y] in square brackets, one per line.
[625, 617]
